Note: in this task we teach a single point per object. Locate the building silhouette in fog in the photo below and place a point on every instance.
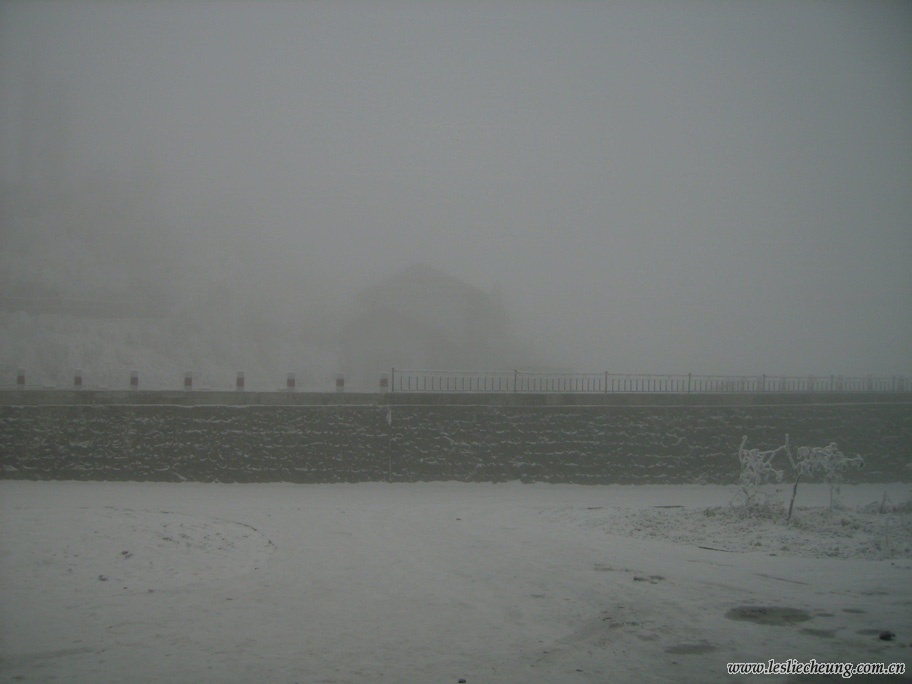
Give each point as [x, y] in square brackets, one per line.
[421, 317]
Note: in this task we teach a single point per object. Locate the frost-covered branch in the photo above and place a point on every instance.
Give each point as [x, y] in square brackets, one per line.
[757, 468]
[827, 460]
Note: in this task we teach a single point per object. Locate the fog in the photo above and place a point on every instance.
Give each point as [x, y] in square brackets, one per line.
[643, 186]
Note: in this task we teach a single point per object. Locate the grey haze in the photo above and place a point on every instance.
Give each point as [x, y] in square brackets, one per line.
[645, 186]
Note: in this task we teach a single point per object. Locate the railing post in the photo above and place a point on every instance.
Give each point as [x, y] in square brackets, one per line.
[515, 380]
[392, 379]
[239, 382]
[77, 379]
[290, 382]
[134, 379]
[188, 380]
[20, 378]
[689, 378]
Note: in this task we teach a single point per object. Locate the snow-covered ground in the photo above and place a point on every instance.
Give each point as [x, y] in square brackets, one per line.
[442, 582]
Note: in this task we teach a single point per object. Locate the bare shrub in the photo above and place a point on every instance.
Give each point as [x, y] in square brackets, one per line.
[757, 470]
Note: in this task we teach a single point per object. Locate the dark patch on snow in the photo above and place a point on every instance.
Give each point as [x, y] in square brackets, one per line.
[768, 615]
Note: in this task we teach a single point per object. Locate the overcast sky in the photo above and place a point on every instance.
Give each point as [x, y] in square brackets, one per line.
[652, 186]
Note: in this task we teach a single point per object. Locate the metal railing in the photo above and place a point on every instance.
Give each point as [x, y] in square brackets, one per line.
[411, 380]
[516, 381]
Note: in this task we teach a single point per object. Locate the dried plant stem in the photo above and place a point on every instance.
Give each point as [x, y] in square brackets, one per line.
[794, 493]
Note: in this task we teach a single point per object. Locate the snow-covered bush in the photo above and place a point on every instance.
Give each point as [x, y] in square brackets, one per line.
[757, 470]
[828, 461]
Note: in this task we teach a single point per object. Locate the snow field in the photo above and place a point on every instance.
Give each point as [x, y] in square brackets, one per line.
[433, 582]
